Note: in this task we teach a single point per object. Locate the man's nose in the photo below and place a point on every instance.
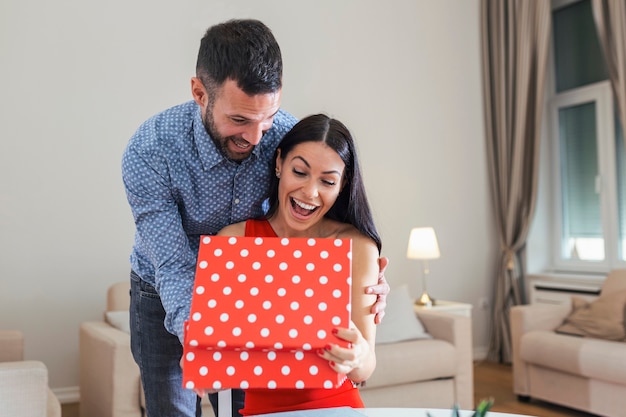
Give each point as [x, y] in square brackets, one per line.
[253, 134]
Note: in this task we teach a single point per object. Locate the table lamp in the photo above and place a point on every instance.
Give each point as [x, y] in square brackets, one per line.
[423, 245]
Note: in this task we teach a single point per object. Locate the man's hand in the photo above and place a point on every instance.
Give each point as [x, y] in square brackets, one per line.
[381, 290]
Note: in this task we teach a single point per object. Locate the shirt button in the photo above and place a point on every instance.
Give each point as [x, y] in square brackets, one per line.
[236, 201]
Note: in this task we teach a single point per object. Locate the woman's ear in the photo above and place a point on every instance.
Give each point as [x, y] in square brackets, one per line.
[279, 160]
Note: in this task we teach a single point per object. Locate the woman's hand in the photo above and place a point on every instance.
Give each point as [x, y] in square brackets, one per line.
[345, 360]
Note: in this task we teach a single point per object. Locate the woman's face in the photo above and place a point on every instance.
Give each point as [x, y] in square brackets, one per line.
[311, 177]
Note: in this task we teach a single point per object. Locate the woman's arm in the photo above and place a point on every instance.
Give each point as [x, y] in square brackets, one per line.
[359, 361]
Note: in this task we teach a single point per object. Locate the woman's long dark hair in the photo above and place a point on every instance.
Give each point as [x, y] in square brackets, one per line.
[351, 205]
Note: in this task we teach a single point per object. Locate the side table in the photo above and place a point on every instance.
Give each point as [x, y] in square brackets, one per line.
[453, 307]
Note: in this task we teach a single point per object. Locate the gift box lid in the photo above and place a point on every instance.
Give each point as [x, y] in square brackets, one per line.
[270, 293]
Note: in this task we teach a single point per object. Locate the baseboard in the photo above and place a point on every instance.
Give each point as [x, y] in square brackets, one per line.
[67, 395]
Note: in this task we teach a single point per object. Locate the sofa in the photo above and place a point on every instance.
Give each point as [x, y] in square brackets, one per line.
[434, 372]
[24, 390]
[573, 355]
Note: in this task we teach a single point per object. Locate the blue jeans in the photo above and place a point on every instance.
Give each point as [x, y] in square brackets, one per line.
[158, 353]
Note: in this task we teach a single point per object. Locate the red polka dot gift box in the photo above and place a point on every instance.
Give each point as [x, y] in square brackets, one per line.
[262, 307]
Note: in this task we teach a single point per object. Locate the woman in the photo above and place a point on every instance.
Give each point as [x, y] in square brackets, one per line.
[318, 192]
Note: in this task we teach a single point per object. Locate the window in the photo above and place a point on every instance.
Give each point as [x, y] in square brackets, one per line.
[589, 166]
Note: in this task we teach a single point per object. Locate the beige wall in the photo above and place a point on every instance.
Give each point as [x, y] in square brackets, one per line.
[77, 77]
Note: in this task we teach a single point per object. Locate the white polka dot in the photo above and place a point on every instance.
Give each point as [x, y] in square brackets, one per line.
[308, 319]
[297, 254]
[338, 242]
[299, 355]
[217, 356]
[206, 240]
[258, 241]
[203, 264]
[244, 385]
[271, 385]
[337, 293]
[321, 334]
[190, 356]
[256, 266]
[232, 240]
[313, 370]
[208, 330]
[322, 306]
[285, 370]
[249, 345]
[215, 277]
[328, 384]
[221, 344]
[309, 292]
[278, 346]
[196, 316]
[323, 280]
[217, 385]
[349, 255]
[236, 331]
[244, 356]
[251, 318]
[267, 305]
[217, 252]
[189, 385]
[293, 333]
[242, 278]
[258, 370]
[299, 384]
[230, 370]
[281, 292]
[270, 253]
[284, 241]
[193, 343]
[230, 265]
[199, 289]
[324, 254]
[224, 317]
[244, 253]
[336, 320]
[271, 355]
[227, 290]
[280, 319]
[254, 291]
[239, 304]
[310, 267]
[296, 279]
[294, 305]
[265, 332]
[269, 278]
[283, 266]
[203, 370]
[310, 242]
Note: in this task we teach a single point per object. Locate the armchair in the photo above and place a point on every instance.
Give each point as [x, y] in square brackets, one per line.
[24, 390]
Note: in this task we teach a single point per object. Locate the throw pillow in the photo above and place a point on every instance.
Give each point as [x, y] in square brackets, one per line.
[602, 318]
[400, 322]
[119, 319]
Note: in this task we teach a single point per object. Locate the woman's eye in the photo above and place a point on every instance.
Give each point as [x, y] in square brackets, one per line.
[328, 182]
[298, 173]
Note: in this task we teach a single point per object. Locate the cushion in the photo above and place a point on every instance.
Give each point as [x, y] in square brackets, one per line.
[602, 318]
[400, 322]
[118, 319]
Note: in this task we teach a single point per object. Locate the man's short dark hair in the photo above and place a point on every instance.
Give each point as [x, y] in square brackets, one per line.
[244, 51]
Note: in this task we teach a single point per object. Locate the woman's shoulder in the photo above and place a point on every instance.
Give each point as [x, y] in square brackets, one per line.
[348, 231]
[235, 229]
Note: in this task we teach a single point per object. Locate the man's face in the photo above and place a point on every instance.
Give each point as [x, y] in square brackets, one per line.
[237, 121]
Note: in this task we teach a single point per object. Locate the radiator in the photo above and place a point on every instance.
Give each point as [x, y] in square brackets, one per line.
[560, 291]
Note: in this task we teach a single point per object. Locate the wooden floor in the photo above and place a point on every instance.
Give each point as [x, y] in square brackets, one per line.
[496, 381]
[490, 381]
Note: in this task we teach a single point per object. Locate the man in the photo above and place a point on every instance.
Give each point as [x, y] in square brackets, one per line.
[189, 171]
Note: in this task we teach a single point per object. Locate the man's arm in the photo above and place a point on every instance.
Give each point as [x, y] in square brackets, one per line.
[381, 289]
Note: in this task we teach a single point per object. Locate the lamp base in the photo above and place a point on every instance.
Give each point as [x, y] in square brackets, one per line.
[425, 300]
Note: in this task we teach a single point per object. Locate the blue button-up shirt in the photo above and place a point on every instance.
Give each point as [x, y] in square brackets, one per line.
[180, 186]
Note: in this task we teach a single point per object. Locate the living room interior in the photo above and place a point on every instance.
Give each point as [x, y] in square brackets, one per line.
[405, 76]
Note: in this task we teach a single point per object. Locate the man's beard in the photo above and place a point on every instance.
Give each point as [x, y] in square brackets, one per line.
[221, 142]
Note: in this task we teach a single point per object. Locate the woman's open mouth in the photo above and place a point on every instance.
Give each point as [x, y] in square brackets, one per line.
[302, 208]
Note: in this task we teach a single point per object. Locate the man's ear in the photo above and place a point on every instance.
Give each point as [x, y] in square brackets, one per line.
[199, 93]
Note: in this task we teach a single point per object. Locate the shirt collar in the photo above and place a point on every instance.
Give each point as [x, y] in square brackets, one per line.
[209, 154]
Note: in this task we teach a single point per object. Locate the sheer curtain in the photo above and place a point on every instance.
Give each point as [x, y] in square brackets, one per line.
[515, 39]
[610, 17]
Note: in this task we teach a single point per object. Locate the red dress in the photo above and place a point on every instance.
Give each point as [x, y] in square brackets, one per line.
[262, 401]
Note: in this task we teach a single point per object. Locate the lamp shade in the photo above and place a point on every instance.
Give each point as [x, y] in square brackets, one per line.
[423, 244]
